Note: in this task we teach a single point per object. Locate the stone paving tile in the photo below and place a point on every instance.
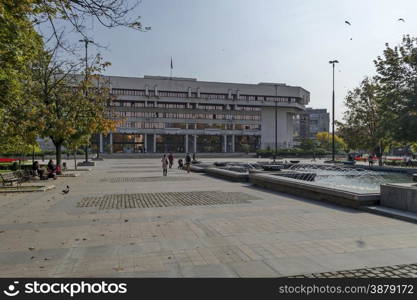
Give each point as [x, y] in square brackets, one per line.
[146, 179]
[253, 269]
[148, 200]
[396, 271]
[208, 271]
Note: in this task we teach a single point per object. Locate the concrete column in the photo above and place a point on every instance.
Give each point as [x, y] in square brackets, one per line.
[111, 142]
[154, 143]
[186, 143]
[145, 142]
[195, 144]
[225, 143]
[233, 143]
[101, 143]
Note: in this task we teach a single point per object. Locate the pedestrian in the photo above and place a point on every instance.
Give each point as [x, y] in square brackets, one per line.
[180, 164]
[188, 162]
[194, 157]
[171, 160]
[370, 160]
[164, 161]
[409, 162]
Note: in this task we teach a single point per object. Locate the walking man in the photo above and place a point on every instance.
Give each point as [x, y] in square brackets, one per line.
[171, 160]
[164, 161]
[188, 162]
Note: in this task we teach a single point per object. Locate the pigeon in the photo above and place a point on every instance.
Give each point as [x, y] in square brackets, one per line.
[66, 191]
[347, 22]
[401, 19]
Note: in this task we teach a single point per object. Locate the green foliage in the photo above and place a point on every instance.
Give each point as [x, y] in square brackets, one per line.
[34, 96]
[307, 144]
[292, 152]
[71, 107]
[364, 127]
[382, 111]
[19, 45]
[397, 78]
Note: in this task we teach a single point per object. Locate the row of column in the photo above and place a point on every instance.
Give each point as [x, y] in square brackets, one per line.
[154, 142]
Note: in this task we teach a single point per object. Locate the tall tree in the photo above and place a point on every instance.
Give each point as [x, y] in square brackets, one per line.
[364, 127]
[397, 78]
[19, 45]
[71, 106]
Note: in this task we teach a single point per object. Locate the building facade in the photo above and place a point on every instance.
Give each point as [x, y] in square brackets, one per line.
[164, 114]
[312, 121]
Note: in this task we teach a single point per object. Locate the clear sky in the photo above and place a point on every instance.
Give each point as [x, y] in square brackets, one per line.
[288, 41]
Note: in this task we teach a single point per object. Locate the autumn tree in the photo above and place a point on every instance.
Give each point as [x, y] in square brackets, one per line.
[21, 44]
[324, 140]
[71, 106]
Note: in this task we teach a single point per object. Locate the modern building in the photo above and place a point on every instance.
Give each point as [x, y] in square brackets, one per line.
[164, 114]
[312, 121]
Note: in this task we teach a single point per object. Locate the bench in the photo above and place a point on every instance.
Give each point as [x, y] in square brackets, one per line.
[12, 177]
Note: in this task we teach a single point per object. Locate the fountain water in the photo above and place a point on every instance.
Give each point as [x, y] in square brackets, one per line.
[347, 178]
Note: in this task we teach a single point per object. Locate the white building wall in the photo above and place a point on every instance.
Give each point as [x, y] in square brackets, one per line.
[292, 100]
[284, 128]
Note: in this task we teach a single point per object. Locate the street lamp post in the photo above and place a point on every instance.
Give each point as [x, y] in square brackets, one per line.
[276, 124]
[333, 62]
[86, 42]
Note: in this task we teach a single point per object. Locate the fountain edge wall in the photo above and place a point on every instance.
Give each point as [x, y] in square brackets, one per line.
[306, 190]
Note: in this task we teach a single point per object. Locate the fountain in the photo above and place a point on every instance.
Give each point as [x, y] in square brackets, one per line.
[349, 186]
[349, 178]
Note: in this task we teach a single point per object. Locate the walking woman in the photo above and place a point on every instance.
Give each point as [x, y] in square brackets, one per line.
[164, 161]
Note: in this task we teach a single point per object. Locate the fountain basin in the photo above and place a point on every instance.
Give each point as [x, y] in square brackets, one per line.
[312, 191]
[273, 167]
[297, 175]
[400, 196]
[227, 174]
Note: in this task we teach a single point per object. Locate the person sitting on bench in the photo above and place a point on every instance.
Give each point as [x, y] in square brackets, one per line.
[36, 170]
[51, 169]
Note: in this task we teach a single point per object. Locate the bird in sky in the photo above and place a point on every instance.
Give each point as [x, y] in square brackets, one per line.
[66, 191]
[401, 19]
[347, 22]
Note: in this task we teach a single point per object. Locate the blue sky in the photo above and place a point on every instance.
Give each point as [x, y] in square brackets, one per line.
[260, 41]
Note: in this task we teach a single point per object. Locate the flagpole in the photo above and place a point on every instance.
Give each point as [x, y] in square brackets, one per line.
[170, 74]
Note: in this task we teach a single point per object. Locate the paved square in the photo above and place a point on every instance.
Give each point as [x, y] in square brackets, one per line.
[262, 234]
